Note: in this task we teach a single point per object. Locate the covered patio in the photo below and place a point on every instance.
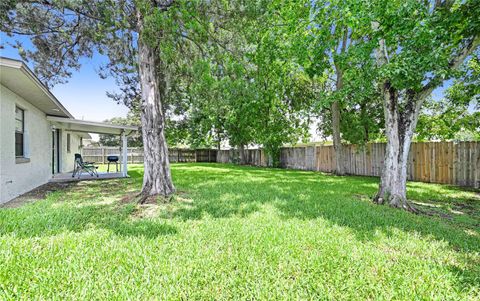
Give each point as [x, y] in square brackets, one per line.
[82, 126]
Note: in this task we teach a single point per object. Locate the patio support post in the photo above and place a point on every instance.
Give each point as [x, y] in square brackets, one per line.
[124, 154]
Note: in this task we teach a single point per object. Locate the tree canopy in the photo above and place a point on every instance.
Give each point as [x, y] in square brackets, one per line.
[206, 73]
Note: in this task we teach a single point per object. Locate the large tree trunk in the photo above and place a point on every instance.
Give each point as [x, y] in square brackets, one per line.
[241, 150]
[156, 178]
[400, 123]
[219, 141]
[399, 129]
[337, 139]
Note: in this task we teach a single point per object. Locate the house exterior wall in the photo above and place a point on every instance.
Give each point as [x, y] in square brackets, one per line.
[67, 157]
[17, 178]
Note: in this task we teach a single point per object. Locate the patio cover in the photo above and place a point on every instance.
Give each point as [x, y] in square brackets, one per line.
[83, 126]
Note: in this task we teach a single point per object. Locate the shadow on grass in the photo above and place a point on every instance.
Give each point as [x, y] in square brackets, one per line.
[345, 201]
[222, 191]
[88, 206]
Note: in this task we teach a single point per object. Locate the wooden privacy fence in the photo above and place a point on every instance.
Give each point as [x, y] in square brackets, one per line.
[99, 154]
[255, 157]
[456, 163]
[135, 154]
[192, 155]
[435, 162]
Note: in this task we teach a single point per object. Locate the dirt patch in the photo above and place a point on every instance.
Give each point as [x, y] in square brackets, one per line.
[431, 210]
[36, 194]
[135, 197]
[157, 206]
[362, 197]
[131, 197]
[146, 211]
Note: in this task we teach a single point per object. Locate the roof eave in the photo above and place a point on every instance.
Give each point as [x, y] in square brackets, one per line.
[24, 68]
[89, 125]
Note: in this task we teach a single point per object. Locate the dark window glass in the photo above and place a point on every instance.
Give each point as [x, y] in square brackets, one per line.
[68, 142]
[19, 129]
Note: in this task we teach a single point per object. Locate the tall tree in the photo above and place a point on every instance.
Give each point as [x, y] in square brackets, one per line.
[419, 44]
[361, 112]
[321, 35]
[282, 90]
[247, 90]
[127, 32]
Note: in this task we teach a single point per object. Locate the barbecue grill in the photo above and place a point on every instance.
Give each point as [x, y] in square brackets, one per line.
[112, 159]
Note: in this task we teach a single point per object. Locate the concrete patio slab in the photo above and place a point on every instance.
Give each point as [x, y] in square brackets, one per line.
[67, 177]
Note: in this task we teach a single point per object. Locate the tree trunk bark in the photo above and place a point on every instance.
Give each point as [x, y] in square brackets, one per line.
[337, 139]
[400, 125]
[157, 179]
[399, 129]
[241, 150]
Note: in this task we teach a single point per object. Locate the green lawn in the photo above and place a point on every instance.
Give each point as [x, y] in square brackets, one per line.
[242, 233]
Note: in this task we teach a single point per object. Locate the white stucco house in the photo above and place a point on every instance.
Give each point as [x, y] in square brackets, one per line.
[38, 136]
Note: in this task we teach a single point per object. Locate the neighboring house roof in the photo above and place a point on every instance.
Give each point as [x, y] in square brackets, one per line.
[16, 76]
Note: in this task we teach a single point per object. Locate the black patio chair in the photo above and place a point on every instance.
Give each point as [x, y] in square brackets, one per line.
[81, 166]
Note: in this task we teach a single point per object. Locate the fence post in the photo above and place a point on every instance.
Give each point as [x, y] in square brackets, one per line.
[103, 155]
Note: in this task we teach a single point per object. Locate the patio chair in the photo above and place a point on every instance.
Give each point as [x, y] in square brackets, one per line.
[81, 166]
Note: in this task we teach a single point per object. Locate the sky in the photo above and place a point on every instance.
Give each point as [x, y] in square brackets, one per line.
[84, 95]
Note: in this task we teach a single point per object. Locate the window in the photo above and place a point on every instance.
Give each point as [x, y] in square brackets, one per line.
[19, 132]
[68, 143]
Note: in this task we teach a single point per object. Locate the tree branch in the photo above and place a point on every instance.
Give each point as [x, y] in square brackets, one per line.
[454, 63]
[164, 5]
